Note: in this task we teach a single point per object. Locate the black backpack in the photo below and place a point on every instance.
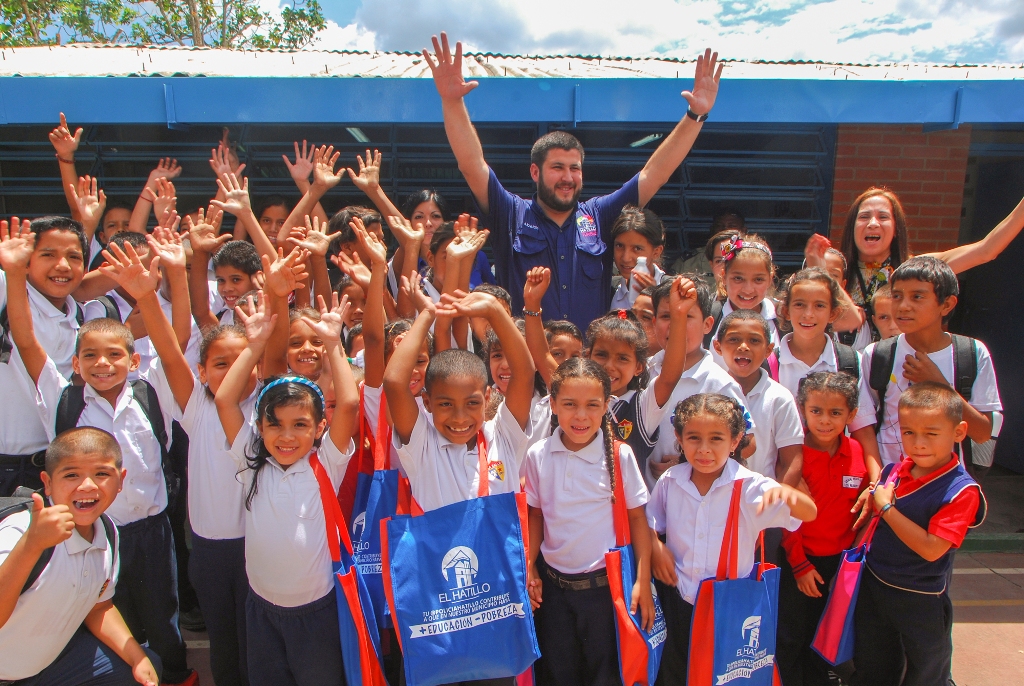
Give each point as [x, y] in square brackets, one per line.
[22, 501]
[110, 308]
[72, 404]
[7, 345]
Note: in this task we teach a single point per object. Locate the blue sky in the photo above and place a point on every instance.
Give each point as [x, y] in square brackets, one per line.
[939, 31]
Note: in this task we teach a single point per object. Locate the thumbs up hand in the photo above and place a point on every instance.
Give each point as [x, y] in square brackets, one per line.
[49, 526]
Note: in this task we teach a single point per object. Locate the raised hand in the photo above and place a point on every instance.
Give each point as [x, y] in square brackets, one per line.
[202, 235]
[236, 195]
[302, 167]
[466, 246]
[332, 321]
[90, 199]
[63, 141]
[373, 246]
[125, 267]
[447, 70]
[705, 83]
[163, 196]
[285, 274]
[460, 304]
[405, 232]
[17, 243]
[537, 281]
[324, 161]
[49, 526]
[814, 251]
[167, 244]
[368, 178]
[354, 267]
[223, 159]
[312, 238]
[412, 286]
[169, 220]
[258, 326]
[166, 168]
[682, 297]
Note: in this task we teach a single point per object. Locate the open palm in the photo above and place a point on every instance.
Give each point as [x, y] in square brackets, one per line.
[17, 242]
[705, 83]
[125, 267]
[447, 70]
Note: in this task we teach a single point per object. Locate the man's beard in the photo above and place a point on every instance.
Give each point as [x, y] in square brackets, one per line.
[547, 196]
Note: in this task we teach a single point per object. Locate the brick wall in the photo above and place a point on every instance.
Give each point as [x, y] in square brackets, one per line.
[926, 170]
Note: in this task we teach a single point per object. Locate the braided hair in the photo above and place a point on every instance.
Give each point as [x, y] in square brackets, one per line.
[583, 368]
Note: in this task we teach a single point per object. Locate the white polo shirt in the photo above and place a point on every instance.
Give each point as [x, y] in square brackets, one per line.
[573, 491]
[703, 377]
[216, 498]
[21, 430]
[984, 391]
[144, 492]
[540, 420]
[776, 423]
[286, 553]
[442, 473]
[791, 370]
[767, 311]
[79, 575]
[695, 524]
[371, 408]
[654, 363]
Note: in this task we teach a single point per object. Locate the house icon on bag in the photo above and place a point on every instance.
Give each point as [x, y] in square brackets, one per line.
[462, 562]
[753, 625]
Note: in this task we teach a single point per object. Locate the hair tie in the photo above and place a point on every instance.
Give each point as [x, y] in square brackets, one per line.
[293, 379]
[622, 314]
[732, 247]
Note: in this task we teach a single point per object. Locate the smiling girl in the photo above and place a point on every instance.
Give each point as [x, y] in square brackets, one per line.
[636, 233]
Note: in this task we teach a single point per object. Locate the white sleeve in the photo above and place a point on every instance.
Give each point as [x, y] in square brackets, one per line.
[115, 571]
[511, 438]
[865, 402]
[985, 392]
[789, 430]
[12, 528]
[157, 378]
[240, 448]
[48, 391]
[775, 516]
[648, 413]
[531, 472]
[656, 505]
[334, 459]
[93, 310]
[632, 482]
[733, 390]
[371, 406]
[413, 453]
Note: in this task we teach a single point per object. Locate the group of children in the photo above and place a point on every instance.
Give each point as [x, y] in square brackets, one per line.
[308, 336]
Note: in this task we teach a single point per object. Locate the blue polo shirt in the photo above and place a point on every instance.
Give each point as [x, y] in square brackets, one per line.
[577, 252]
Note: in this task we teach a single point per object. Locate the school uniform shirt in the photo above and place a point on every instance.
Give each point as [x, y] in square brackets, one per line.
[21, 430]
[695, 524]
[776, 423]
[767, 310]
[835, 483]
[703, 377]
[216, 499]
[442, 473]
[540, 420]
[144, 492]
[79, 575]
[636, 418]
[984, 392]
[791, 370]
[952, 521]
[371, 408]
[286, 553]
[621, 296]
[654, 364]
[572, 487]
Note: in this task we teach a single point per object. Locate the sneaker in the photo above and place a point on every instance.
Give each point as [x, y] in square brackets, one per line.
[192, 620]
[191, 680]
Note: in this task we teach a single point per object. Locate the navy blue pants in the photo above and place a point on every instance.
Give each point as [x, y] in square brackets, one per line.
[675, 659]
[576, 634]
[217, 571]
[147, 591]
[20, 470]
[899, 630]
[86, 661]
[799, 615]
[294, 646]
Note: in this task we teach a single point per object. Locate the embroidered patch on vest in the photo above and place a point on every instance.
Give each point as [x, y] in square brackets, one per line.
[625, 429]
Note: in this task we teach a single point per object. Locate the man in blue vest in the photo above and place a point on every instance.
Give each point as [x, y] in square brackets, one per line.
[554, 229]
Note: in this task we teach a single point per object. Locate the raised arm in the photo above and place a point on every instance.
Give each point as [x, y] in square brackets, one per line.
[368, 181]
[670, 154]
[300, 171]
[283, 275]
[682, 298]
[259, 324]
[537, 281]
[125, 267]
[313, 238]
[373, 314]
[406, 259]
[462, 137]
[329, 328]
[236, 201]
[66, 145]
[324, 178]
[166, 168]
[205, 243]
[988, 248]
[17, 243]
[401, 402]
[167, 244]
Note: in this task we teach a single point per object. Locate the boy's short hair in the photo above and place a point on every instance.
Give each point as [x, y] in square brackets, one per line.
[930, 270]
[498, 292]
[79, 441]
[123, 238]
[562, 327]
[882, 292]
[105, 325]
[454, 362]
[240, 255]
[56, 223]
[353, 333]
[743, 316]
[929, 395]
[705, 293]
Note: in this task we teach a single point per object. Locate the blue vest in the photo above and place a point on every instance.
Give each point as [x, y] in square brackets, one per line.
[892, 561]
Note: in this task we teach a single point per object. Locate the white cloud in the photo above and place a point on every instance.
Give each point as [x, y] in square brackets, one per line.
[838, 30]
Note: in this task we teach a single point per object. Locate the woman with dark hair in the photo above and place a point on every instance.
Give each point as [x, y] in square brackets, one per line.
[427, 207]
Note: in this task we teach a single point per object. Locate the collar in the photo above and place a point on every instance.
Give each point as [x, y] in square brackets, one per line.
[43, 306]
[907, 484]
[762, 384]
[297, 468]
[431, 292]
[538, 211]
[123, 398]
[76, 544]
[828, 355]
[682, 472]
[699, 367]
[844, 450]
[592, 452]
[767, 309]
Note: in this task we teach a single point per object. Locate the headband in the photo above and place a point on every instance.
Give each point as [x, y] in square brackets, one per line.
[292, 379]
[733, 246]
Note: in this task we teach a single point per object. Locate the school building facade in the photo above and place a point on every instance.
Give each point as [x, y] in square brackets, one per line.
[789, 145]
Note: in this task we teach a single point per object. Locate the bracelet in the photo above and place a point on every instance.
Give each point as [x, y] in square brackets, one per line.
[885, 508]
[697, 117]
[61, 159]
[530, 313]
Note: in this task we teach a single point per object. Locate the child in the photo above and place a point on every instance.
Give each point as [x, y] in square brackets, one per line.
[236, 267]
[440, 451]
[700, 373]
[63, 628]
[291, 613]
[570, 478]
[835, 474]
[882, 315]
[690, 505]
[636, 233]
[812, 303]
[643, 308]
[904, 617]
[748, 274]
[139, 415]
[116, 219]
[924, 293]
[54, 251]
[564, 340]
[744, 341]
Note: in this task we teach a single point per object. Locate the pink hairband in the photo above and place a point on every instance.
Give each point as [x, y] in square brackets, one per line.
[732, 247]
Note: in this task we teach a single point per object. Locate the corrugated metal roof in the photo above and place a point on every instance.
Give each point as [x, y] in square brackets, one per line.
[118, 60]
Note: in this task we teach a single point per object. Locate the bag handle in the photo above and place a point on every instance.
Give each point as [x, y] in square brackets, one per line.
[332, 511]
[728, 556]
[620, 517]
[876, 519]
[382, 445]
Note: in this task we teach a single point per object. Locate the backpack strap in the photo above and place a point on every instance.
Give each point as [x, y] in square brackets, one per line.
[716, 316]
[965, 364]
[21, 501]
[149, 402]
[771, 364]
[79, 314]
[883, 357]
[110, 308]
[6, 344]
[111, 530]
[69, 408]
[847, 359]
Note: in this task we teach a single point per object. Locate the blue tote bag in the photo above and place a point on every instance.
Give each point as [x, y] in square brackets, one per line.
[455, 578]
[732, 637]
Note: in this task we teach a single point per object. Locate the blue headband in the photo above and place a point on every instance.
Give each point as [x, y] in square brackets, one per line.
[292, 379]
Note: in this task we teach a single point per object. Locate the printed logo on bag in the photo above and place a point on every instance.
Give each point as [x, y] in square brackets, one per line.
[625, 429]
[657, 635]
[466, 603]
[496, 470]
[749, 657]
[753, 625]
[586, 226]
[368, 562]
[358, 524]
